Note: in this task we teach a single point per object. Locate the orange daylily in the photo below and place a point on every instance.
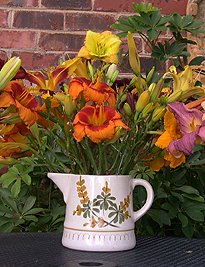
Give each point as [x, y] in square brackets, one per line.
[61, 73]
[98, 122]
[13, 94]
[97, 92]
[172, 132]
[18, 136]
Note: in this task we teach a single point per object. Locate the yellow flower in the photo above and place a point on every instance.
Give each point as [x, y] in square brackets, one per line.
[103, 46]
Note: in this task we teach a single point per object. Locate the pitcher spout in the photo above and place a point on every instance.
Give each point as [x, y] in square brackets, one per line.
[62, 181]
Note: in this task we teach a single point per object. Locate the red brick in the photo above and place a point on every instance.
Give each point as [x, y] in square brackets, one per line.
[68, 4]
[3, 18]
[14, 39]
[93, 22]
[36, 61]
[3, 55]
[38, 20]
[20, 3]
[60, 42]
[166, 6]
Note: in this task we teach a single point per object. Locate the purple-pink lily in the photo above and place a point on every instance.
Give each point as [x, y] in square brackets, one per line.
[192, 128]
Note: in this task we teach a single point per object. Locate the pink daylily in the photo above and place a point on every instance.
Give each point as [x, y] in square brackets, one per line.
[192, 128]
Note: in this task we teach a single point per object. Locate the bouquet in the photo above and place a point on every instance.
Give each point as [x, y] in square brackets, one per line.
[82, 117]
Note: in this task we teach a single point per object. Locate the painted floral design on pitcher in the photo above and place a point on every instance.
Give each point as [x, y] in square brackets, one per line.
[104, 202]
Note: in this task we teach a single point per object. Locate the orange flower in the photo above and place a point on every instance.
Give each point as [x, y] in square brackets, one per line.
[18, 96]
[172, 132]
[97, 92]
[97, 122]
[17, 135]
[106, 189]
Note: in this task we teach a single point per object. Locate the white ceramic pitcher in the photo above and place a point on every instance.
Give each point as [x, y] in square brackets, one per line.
[99, 210]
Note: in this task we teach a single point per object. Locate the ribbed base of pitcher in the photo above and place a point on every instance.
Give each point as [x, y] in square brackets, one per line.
[93, 240]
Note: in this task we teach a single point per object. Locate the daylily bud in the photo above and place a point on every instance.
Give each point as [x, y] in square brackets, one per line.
[156, 91]
[13, 119]
[9, 70]
[91, 71]
[112, 74]
[148, 108]
[116, 135]
[133, 54]
[158, 113]
[69, 105]
[175, 96]
[142, 101]
[149, 76]
[111, 70]
[8, 161]
[162, 100]
[10, 109]
[127, 109]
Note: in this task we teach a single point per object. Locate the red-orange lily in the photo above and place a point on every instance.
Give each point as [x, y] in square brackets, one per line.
[13, 94]
[98, 122]
[97, 92]
[58, 75]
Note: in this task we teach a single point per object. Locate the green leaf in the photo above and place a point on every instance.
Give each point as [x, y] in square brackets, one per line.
[7, 228]
[188, 230]
[196, 61]
[26, 178]
[195, 215]
[184, 220]
[156, 16]
[34, 211]
[121, 27]
[186, 20]
[194, 197]
[188, 189]
[152, 34]
[30, 218]
[198, 162]
[16, 187]
[10, 203]
[28, 204]
[195, 24]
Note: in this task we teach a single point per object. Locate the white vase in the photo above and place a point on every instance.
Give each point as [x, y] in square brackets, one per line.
[99, 210]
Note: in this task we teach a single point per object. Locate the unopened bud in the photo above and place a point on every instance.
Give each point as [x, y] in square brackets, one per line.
[150, 74]
[127, 109]
[9, 70]
[116, 135]
[13, 119]
[60, 61]
[142, 101]
[147, 109]
[133, 54]
[158, 113]
[91, 70]
[156, 91]
[69, 105]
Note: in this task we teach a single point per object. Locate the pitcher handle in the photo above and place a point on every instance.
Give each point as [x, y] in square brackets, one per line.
[150, 197]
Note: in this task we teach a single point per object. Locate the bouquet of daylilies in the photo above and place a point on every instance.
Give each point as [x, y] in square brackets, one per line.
[84, 117]
[78, 118]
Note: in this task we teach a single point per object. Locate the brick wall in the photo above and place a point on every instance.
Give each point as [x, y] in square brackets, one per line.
[42, 31]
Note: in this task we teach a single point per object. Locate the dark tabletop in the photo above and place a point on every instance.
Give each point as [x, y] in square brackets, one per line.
[45, 249]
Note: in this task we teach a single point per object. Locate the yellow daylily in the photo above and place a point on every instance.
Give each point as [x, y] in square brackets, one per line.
[183, 85]
[103, 46]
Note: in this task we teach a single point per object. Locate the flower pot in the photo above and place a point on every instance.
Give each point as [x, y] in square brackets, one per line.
[99, 210]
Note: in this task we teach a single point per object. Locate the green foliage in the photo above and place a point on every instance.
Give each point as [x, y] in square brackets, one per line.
[29, 202]
[151, 25]
[179, 207]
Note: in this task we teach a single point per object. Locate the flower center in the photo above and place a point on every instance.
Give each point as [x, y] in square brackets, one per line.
[98, 117]
[100, 48]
